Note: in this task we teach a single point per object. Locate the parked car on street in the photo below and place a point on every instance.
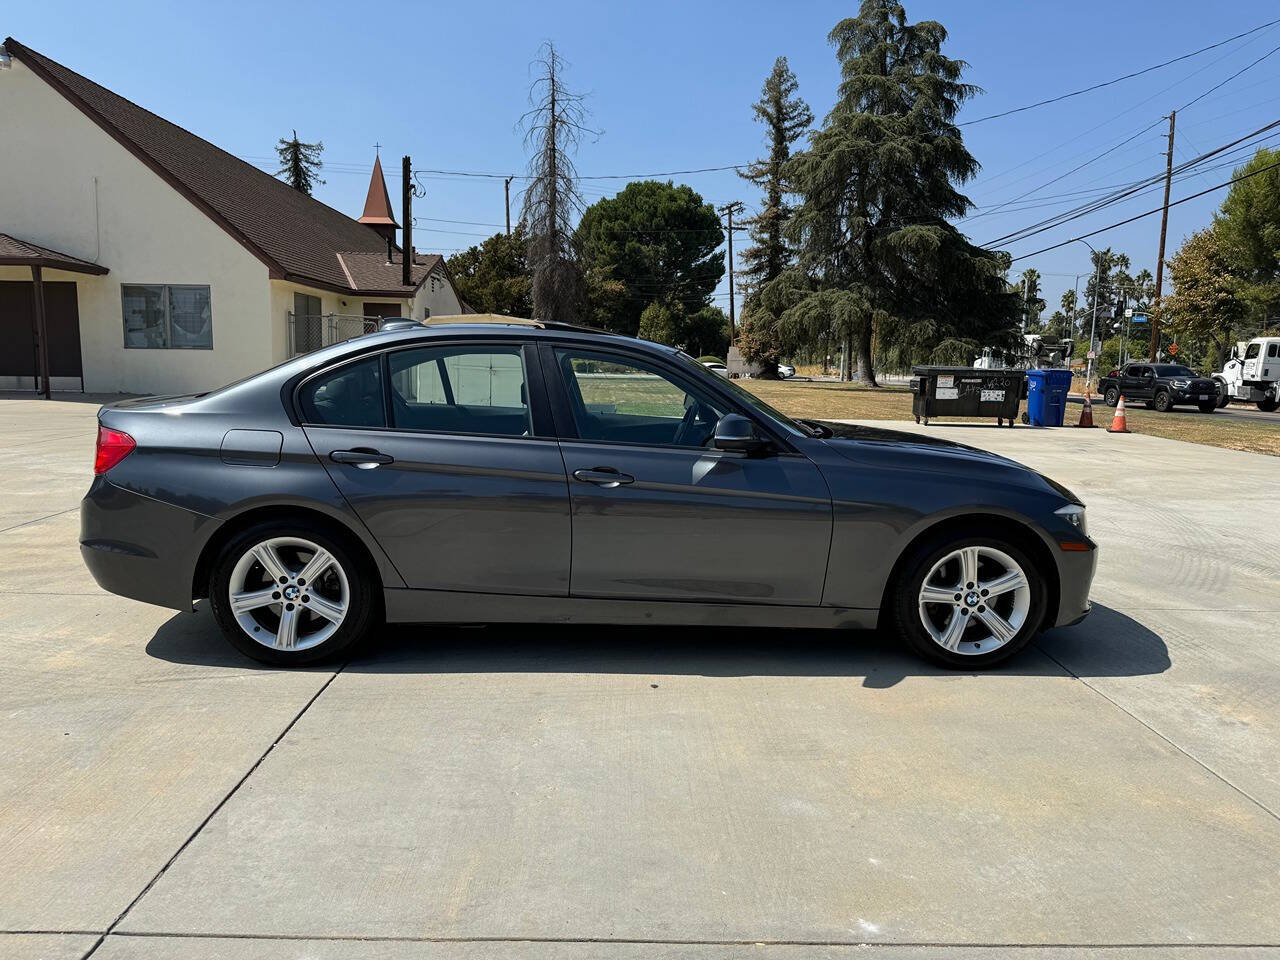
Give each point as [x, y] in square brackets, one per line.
[1161, 385]
[1252, 374]
[544, 473]
[717, 368]
[786, 371]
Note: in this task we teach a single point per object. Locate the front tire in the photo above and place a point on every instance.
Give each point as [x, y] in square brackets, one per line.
[1208, 406]
[1223, 397]
[291, 593]
[1163, 402]
[1269, 405]
[968, 601]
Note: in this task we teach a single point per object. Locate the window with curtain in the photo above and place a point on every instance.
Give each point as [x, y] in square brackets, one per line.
[167, 316]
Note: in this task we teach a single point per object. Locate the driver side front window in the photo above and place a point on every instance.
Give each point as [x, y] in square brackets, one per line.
[617, 401]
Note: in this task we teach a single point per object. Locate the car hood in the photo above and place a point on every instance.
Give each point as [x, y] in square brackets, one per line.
[880, 448]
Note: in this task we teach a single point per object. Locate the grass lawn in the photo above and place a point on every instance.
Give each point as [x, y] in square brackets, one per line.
[842, 401]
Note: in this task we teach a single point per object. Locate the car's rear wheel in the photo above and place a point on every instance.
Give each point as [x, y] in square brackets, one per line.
[968, 601]
[291, 593]
[1111, 397]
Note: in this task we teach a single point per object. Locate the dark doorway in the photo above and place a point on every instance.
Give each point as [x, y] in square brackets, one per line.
[383, 311]
[17, 329]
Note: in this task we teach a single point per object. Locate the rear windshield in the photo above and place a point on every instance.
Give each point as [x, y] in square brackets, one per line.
[1172, 370]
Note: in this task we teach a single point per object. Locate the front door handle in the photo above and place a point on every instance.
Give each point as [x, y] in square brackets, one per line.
[363, 458]
[609, 477]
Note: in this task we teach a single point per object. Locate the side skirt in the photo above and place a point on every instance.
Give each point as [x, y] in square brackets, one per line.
[441, 606]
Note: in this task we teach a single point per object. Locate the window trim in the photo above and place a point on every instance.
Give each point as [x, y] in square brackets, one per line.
[567, 427]
[168, 319]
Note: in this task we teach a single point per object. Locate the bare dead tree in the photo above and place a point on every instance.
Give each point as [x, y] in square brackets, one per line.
[553, 129]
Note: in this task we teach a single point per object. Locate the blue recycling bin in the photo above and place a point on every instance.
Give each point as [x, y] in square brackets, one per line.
[1047, 397]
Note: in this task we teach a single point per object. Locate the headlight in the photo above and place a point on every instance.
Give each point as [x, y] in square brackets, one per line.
[1073, 513]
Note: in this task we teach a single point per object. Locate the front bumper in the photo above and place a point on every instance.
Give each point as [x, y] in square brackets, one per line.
[139, 547]
[1194, 395]
[1075, 577]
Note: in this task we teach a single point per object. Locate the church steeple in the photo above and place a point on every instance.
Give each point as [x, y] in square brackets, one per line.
[377, 205]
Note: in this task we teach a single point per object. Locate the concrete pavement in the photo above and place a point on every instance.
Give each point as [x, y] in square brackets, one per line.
[514, 793]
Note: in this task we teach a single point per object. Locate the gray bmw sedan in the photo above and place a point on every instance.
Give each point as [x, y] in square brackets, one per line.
[529, 472]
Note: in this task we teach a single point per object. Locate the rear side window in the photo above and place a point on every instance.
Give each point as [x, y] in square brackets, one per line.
[1272, 349]
[477, 390]
[350, 396]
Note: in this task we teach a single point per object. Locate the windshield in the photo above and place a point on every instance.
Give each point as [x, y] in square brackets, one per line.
[1173, 370]
[747, 397]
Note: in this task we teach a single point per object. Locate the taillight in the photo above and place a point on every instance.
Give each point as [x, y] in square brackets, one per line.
[113, 446]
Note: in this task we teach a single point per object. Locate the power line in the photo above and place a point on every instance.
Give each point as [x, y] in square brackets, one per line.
[1095, 205]
[1230, 78]
[1108, 83]
[1148, 213]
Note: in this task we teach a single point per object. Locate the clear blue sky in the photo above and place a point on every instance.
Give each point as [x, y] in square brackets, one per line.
[670, 85]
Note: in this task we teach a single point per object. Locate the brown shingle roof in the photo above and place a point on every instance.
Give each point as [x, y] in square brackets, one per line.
[295, 235]
[15, 252]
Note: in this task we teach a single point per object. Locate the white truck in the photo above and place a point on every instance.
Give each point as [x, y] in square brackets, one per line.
[1252, 374]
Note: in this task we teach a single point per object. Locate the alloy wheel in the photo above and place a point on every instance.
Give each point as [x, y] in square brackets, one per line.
[288, 593]
[974, 600]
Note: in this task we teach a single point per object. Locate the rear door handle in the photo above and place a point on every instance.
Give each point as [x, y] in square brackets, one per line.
[604, 477]
[363, 458]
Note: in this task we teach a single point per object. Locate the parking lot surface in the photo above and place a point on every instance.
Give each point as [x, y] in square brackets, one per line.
[513, 792]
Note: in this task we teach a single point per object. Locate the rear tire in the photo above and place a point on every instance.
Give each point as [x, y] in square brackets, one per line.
[1268, 406]
[301, 595]
[924, 619]
[1111, 397]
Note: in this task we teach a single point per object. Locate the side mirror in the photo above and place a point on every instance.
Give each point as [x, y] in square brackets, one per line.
[737, 433]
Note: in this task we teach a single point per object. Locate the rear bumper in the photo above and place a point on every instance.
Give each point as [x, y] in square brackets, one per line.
[1075, 577]
[141, 548]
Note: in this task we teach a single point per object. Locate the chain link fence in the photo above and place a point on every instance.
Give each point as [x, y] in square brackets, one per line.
[311, 331]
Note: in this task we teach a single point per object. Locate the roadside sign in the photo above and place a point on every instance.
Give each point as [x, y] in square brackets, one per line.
[1091, 356]
[1173, 349]
[1128, 311]
[1139, 318]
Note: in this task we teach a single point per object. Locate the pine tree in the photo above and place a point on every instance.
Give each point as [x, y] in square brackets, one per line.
[299, 163]
[554, 126]
[786, 117]
[878, 188]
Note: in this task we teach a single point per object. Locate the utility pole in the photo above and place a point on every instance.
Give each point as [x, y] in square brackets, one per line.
[406, 199]
[506, 193]
[1024, 306]
[729, 209]
[1164, 227]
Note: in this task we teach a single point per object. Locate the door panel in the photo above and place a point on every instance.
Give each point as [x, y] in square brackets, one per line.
[486, 514]
[698, 525]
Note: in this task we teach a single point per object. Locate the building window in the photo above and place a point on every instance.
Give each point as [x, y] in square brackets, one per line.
[167, 316]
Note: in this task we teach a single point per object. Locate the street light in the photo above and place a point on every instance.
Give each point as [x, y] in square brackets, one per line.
[1093, 326]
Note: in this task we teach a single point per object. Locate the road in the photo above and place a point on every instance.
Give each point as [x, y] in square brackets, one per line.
[527, 794]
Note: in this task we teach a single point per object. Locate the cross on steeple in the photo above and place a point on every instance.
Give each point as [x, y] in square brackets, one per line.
[377, 147]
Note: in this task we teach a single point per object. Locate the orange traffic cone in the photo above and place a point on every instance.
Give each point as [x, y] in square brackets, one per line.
[1119, 424]
[1086, 415]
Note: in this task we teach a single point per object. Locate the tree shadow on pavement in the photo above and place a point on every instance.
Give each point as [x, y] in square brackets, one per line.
[1108, 643]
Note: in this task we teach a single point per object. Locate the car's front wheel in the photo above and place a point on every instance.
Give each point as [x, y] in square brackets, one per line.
[968, 601]
[1163, 401]
[291, 594]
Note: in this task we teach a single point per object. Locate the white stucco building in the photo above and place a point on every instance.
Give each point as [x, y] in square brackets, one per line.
[162, 264]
